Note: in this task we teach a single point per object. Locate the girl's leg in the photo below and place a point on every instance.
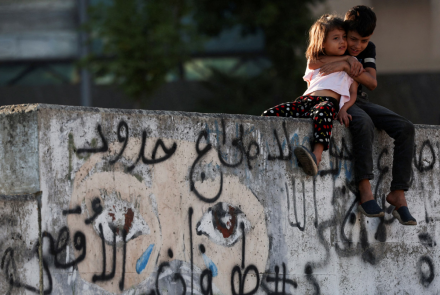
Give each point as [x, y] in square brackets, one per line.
[309, 161]
[295, 109]
[323, 115]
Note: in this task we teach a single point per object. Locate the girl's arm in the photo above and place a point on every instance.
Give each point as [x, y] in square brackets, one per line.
[343, 116]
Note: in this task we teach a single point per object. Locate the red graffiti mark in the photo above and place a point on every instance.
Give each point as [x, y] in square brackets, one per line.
[112, 215]
[227, 232]
[129, 215]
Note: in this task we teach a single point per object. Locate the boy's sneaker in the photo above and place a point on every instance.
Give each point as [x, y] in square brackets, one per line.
[371, 209]
[306, 160]
[402, 214]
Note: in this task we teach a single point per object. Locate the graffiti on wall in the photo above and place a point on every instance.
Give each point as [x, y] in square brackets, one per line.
[154, 214]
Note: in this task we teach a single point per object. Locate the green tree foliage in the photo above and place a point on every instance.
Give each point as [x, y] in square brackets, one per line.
[142, 40]
[285, 25]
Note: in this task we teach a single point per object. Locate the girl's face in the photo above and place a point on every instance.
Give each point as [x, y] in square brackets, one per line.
[335, 42]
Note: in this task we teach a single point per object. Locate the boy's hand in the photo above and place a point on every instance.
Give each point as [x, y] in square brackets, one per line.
[344, 118]
[333, 67]
[356, 67]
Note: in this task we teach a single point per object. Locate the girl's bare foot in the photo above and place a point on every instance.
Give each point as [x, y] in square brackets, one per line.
[318, 158]
[317, 151]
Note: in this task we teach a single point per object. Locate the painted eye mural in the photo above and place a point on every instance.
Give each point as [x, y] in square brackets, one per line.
[118, 218]
[118, 215]
[222, 224]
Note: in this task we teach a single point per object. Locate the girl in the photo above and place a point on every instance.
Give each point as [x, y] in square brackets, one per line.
[325, 96]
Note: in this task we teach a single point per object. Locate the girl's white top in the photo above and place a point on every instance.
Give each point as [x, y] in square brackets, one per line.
[338, 82]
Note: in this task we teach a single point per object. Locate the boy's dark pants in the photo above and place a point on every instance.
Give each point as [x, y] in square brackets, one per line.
[366, 116]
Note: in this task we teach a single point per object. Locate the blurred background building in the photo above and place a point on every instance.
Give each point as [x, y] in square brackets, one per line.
[40, 49]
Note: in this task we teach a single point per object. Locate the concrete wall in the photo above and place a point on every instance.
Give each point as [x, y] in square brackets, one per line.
[142, 202]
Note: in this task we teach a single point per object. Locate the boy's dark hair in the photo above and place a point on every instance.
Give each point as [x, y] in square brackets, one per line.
[361, 19]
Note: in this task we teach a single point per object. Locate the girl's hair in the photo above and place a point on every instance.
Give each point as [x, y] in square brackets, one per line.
[318, 33]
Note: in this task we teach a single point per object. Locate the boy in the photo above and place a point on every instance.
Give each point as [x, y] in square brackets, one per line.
[360, 63]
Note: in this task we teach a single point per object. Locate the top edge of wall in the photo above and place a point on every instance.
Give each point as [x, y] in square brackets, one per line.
[18, 108]
[27, 108]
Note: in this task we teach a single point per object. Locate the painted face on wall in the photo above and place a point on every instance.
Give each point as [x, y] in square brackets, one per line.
[154, 213]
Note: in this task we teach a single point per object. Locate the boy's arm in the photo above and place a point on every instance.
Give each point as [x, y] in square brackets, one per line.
[343, 116]
[316, 64]
[337, 64]
[367, 78]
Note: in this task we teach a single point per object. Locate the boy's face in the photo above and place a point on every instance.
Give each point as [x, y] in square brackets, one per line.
[356, 43]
